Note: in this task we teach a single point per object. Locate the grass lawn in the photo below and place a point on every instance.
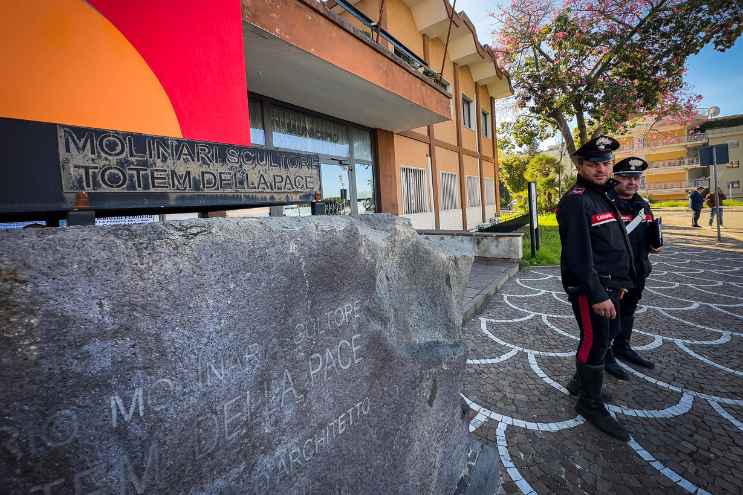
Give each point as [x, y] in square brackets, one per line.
[682, 203]
[549, 245]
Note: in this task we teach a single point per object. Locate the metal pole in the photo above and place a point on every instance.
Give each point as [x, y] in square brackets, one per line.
[533, 219]
[352, 191]
[717, 198]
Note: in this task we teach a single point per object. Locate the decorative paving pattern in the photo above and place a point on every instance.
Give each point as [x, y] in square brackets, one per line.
[685, 416]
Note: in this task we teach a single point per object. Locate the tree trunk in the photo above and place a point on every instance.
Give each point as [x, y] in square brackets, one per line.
[582, 131]
[567, 136]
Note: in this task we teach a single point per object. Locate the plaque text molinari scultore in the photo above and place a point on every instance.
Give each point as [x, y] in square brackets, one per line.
[96, 160]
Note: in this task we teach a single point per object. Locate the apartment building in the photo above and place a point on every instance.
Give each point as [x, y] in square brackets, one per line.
[680, 154]
[396, 95]
[724, 139]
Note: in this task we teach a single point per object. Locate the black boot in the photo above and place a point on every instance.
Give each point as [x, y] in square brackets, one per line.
[622, 349]
[613, 368]
[574, 387]
[630, 355]
[590, 405]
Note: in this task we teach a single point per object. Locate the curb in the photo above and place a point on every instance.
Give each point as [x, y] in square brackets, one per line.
[476, 305]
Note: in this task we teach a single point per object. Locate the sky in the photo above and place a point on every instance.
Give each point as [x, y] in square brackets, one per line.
[718, 77]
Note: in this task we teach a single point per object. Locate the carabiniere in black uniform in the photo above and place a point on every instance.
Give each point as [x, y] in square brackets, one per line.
[596, 263]
[643, 230]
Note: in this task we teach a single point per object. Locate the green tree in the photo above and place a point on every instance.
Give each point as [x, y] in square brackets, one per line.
[523, 135]
[602, 62]
[543, 170]
[512, 169]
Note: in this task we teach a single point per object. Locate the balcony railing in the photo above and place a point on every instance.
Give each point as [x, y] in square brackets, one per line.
[658, 141]
[683, 162]
[400, 51]
[670, 186]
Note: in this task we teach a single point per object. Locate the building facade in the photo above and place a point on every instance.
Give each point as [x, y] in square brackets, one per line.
[680, 155]
[397, 97]
[724, 139]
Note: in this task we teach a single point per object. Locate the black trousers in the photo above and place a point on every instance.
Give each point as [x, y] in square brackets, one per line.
[596, 332]
[695, 217]
[627, 309]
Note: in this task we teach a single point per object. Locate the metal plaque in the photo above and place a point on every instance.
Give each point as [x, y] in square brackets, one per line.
[95, 160]
[44, 167]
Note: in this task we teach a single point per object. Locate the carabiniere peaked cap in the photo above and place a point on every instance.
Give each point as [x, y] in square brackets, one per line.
[598, 149]
[630, 166]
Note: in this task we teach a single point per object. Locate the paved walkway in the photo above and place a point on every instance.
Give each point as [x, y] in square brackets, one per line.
[685, 416]
[677, 221]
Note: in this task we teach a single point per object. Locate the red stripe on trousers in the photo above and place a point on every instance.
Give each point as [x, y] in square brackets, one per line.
[587, 342]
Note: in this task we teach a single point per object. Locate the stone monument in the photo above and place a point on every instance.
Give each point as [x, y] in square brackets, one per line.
[305, 356]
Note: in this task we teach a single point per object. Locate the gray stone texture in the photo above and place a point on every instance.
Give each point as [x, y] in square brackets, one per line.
[319, 355]
[504, 246]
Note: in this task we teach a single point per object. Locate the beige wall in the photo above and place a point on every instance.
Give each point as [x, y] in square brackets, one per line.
[401, 25]
[471, 166]
[304, 28]
[369, 7]
[414, 152]
[467, 87]
[664, 177]
[666, 155]
[447, 161]
[725, 173]
[486, 144]
[488, 169]
[410, 153]
[444, 131]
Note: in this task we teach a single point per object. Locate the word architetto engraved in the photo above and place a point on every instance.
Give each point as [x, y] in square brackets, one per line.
[97, 160]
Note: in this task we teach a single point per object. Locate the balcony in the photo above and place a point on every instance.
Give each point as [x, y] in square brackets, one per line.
[682, 163]
[661, 141]
[302, 53]
[668, 187]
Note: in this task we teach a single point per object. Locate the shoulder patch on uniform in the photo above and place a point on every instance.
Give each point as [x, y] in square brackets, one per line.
[578, 190]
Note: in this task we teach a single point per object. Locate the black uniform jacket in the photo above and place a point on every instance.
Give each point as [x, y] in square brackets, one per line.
[640, 237]
[596, 252]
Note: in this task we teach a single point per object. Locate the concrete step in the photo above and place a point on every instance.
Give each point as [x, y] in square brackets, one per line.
[486, 277]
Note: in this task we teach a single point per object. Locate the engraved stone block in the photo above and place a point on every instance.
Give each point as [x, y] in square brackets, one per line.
[222, 356]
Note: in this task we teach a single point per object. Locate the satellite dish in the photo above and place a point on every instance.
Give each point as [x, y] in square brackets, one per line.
[713, 112]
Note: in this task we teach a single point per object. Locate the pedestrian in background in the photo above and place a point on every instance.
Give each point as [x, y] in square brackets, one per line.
[597, 267]
[696, 203]
[715, 209]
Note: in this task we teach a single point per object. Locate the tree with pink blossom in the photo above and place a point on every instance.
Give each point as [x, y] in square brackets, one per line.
[603, 62]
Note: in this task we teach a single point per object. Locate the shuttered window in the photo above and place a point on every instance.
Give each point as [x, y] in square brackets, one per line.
[449, 191]
[473, 191]
[415, 190]
[489, 191]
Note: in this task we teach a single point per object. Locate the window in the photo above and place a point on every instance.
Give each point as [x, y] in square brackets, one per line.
[467, 112]
[257, 134]
[296, 130]
[415, 190]
[365, 187]
[361, 144]
[489, 191]
[449, 191]
[485, 124]
[473, 191]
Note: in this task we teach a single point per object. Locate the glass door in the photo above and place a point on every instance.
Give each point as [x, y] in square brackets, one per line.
[338, 188]
[365, 199]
